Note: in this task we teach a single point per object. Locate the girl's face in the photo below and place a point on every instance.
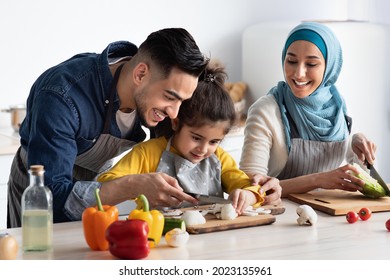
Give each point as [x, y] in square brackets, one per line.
[198, 143]
[304, 68]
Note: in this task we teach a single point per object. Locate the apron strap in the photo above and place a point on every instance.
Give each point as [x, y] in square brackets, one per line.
[107, 121]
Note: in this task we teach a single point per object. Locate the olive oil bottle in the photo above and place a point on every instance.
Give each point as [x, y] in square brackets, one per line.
[37, 213]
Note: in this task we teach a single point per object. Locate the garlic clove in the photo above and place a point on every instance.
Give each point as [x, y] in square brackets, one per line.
[177, 237]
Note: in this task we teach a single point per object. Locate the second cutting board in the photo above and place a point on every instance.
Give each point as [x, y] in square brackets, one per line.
[338, 202]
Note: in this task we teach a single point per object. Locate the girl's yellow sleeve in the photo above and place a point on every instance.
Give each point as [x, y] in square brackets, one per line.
[233, 177]
[143, 158]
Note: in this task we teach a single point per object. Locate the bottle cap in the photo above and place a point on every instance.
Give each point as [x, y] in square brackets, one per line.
[36, 168]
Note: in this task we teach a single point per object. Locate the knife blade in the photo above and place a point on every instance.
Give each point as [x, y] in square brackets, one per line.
[209, 199]
[374, 174]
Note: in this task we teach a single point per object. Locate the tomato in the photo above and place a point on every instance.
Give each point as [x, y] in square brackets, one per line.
[364, 214]
[352, 217]
[388, 224]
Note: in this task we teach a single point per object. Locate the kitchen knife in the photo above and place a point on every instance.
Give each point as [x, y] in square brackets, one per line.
[209, 199]
[374, 174]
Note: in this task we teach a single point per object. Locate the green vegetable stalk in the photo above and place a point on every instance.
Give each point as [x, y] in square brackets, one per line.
[372, 188]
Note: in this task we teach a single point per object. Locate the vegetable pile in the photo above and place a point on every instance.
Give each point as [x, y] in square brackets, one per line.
[125, 239]
[364, 214]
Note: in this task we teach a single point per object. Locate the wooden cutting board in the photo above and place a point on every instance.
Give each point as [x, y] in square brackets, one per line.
[213, 224]
[338, 202]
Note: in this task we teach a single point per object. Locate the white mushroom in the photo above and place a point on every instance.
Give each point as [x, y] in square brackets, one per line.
[193, 218]
[250, 211]
[228, 212]
[307, 215]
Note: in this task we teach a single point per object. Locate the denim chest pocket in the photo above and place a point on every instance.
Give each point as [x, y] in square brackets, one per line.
[84, 144]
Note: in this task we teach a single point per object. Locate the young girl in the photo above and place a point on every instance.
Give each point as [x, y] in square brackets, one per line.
[190, 150]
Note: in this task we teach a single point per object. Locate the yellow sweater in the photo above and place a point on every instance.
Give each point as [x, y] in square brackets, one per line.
[145, 157]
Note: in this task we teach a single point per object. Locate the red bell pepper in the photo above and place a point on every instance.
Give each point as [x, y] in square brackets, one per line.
[128, 239]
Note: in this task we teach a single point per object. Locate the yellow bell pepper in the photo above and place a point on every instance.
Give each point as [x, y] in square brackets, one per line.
[154, 219]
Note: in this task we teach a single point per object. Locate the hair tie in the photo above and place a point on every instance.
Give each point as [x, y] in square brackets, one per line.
[209, 78]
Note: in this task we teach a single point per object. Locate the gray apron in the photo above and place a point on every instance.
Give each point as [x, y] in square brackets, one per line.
[308, 156]
[203, 177]
[87, 167]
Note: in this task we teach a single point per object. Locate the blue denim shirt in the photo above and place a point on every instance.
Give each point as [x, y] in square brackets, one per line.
[65, 116]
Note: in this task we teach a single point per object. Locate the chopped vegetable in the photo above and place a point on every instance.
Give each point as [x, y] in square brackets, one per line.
[307, 215]
[177, 237]
[252, 211]
[8, 247]
[228, 212]
[128, 239]
[154, 218]
[171, 223]
[372, 188]
[193, 218]
[95, 222]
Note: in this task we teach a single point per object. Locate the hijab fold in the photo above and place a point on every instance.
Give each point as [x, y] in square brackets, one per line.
[321, 115]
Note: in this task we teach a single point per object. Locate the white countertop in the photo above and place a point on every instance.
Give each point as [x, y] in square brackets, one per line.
[332, 238]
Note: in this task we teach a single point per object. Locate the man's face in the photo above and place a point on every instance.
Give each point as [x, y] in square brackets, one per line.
[157, 99]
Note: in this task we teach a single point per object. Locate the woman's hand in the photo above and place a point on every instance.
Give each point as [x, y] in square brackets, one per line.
[340, 178]
[363, 148]
[270, 186]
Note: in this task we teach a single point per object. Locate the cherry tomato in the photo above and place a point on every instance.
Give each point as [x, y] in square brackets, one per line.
[388, 224]
[364, 214]
[352, 217]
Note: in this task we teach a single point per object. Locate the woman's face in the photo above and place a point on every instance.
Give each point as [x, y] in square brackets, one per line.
[304, 68]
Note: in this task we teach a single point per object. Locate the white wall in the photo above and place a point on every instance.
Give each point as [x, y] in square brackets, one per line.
[40, 33]
[36, 34]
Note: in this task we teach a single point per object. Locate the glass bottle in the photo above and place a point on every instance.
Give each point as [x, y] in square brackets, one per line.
[37, 213]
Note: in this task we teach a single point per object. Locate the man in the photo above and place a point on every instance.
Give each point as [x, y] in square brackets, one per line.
[89, 109]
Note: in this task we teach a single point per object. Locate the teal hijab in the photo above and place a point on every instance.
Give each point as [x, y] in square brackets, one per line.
[321, 115]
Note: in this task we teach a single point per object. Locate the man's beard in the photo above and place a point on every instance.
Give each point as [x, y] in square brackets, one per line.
[141, 111]
[141, 118]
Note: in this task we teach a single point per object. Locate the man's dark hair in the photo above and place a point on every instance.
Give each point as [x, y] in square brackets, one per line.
[173, 47]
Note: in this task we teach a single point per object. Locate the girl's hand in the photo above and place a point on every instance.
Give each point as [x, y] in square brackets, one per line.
[241, 199]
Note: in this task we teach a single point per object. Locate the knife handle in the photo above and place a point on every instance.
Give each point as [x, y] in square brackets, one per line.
[367, 164]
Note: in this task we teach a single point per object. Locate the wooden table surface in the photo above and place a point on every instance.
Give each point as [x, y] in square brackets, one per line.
[330, 239]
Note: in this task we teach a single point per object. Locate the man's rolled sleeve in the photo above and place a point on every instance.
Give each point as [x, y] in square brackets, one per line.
[81, 197]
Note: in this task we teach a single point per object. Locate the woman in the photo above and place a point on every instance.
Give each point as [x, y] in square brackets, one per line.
[299, 132]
